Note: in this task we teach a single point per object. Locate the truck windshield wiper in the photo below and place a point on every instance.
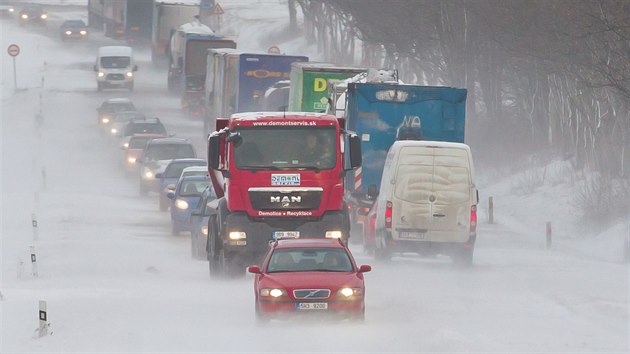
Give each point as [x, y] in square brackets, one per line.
[314, 168]
[259, 168]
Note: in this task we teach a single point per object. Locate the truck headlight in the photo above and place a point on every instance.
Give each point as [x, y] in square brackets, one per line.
[237, 235]
[273, 292]
[101, 74]
[131, 160]
[333, 234]
[348, 292]
[181, 204]
[129, 74]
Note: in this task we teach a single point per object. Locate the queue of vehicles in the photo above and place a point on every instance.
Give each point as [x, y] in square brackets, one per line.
[302, 158]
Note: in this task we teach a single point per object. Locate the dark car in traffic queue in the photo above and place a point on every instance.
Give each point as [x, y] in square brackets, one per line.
[119, 122]
[133, 149]
[158, 153]
[302, 276]
[73, 29]
[33, 14]
[184, 199]
[199, 224]
[171, 174]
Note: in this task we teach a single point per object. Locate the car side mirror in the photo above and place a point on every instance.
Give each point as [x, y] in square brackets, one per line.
[159, 175]
[254, 269]
[170, 187]
[365, 268]
[170, 195]
[135, 68]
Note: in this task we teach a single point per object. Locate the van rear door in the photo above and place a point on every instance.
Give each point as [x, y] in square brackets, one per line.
[432, 194]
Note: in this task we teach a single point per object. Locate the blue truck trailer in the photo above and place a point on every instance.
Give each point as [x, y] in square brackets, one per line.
[236, 82]
[381, 113]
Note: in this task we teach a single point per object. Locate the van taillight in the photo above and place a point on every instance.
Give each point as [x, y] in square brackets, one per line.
[473, 219]
[388, 215]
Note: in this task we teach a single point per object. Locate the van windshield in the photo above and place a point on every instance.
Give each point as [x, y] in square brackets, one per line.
[115, 62]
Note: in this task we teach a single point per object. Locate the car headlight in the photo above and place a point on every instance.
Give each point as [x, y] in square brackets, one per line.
[105, 120]
[129, 74]
[68, 33]
[114, 130]
[333, 234]
[181, 204]
[44, 16]
[11, 10]
[24, 16]
[348, 292]
[148, 174]
[272, 292]
[101, 74]
[237, 235]
[126, 145]
[131, 160]
[83, 32]
[204, 230]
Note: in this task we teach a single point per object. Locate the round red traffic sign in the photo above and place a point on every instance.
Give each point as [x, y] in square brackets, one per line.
[273, 50]
[13, 50]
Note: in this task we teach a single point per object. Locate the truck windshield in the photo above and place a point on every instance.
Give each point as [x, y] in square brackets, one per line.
[115, 62]
[286, 148]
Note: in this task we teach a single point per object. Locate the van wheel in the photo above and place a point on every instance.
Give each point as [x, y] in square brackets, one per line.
[464, 256]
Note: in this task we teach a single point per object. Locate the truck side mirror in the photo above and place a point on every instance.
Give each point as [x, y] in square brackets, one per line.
[372, 191]
[355, 151]
[214, 141]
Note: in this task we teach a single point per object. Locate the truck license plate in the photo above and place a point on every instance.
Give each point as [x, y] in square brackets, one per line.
[286, 234]
[312, 306]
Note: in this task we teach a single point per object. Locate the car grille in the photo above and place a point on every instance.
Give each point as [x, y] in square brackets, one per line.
[311, 293]
[115, 77]
[285, 198]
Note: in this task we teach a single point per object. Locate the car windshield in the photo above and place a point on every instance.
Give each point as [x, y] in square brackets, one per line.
[194, 173]
[309, 260]
[122, 107]
[75, 23]
[312, 147]
[125, 117]
[115, 62]
[193, 188]
[146, 128]
[170, 152]
[174, 170]
[138, 143]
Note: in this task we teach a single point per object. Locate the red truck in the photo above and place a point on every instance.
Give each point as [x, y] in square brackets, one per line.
[276, 175]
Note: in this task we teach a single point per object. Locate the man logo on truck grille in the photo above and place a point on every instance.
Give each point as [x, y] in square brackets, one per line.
[286, 201]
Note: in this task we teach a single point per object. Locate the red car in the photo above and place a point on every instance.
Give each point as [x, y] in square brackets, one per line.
[309, 276]
[133, 147]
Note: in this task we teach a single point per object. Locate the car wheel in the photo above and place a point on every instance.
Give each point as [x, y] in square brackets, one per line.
[359, 317]
[214, 261]
[260, 317]
[232, 266]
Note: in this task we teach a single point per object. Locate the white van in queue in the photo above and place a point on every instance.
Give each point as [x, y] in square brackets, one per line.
[115, 67]
[427, 201]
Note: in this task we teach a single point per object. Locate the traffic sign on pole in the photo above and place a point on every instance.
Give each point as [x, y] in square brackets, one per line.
[13, 50]
[217, 9]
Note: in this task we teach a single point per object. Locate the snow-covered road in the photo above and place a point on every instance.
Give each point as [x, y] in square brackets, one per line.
[116, 281]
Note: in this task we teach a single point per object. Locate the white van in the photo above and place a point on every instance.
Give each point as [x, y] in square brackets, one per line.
[427, 201]
[115, 67]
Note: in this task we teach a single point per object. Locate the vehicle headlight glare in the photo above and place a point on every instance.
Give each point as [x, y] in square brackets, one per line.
[126, 145]
[333, 234]
[272, 292]
[129, 74]
[131, 160]
[83, 32]
[237, 235]
[347, 292]
[148, 174]
[181, 204]
[68, 33]
[101, 74]
[114, 130]
[11, 10]
[25, 16]
[44, 16]
[105, 120]
[204, 230]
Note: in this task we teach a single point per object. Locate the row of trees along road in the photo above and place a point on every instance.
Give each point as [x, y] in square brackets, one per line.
[544, 77]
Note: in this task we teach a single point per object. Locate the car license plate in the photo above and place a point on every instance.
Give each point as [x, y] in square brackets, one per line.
[286, 234]
[312, 306]
[412, 235]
